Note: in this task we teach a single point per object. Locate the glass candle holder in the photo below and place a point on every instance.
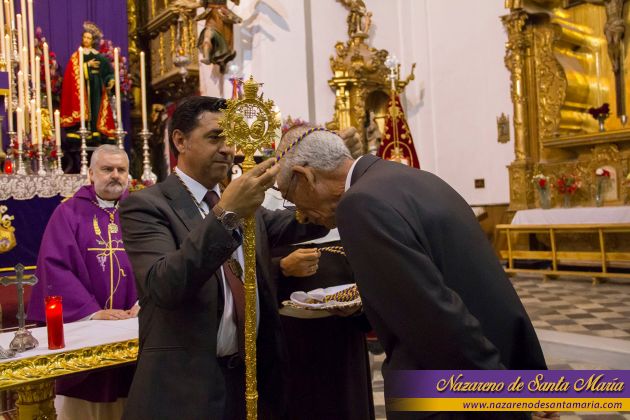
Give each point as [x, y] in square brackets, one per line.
[54, 322]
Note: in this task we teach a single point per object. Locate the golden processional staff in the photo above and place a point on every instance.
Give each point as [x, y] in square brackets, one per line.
[249, 123]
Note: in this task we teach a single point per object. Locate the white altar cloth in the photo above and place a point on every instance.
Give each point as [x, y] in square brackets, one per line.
[77, 335]
[573, 216]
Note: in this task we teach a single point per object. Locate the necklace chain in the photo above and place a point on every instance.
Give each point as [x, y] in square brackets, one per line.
[201, 209]
[112, 214]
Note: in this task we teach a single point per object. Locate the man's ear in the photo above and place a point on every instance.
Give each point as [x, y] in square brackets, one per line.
[307, 172]
[179, 140]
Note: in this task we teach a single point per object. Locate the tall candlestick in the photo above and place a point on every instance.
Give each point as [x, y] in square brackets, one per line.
[117, 78]
[81, 88]
[54, 322]
[31, 37]
[143, 92]
[38, 116]
[7, 43]
[33, 123]
[20, 127]
[47, 76]
[57, 130]
[40, 145]
[38, 83]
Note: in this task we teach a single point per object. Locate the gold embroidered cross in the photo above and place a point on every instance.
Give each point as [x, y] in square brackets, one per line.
[108, 251]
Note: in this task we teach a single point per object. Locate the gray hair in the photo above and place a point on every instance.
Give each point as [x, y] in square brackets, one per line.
[323, 150]
[109, 149]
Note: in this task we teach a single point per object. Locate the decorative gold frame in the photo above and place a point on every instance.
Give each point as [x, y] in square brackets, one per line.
[32, 369]
[559, 68]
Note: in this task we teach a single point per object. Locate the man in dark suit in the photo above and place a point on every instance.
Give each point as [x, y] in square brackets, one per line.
[431, 286]
[183, 240]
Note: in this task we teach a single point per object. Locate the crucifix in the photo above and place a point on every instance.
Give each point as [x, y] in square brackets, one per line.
[23, 339]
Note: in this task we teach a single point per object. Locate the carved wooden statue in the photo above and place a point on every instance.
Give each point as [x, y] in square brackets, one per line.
[216, 40]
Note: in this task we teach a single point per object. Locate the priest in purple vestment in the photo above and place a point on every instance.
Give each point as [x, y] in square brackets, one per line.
[82, 259]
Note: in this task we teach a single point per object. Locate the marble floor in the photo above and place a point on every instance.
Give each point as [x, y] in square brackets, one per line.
[580, 326]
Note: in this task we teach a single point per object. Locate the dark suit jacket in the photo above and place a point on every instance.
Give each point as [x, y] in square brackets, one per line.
[175, 256]
[431, 285]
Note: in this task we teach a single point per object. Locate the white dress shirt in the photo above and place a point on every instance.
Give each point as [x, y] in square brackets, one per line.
[227, 336]
[350, 172]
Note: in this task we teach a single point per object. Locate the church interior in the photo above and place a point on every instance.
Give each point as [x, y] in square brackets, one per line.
[519, 105]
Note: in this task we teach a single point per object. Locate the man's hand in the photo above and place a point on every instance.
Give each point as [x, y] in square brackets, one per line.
[133, 312]
[111, 314]
[110, 84]
[300, 263]
[245, 194]
[351, 138]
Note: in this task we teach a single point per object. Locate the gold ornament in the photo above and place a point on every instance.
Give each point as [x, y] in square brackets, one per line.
[248, 124]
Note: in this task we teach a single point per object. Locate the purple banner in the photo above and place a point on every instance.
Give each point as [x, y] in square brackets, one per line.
[507, 383]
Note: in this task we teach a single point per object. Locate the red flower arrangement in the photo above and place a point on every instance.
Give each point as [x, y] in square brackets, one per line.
[602, 172]
[541, 181]
[568, 184]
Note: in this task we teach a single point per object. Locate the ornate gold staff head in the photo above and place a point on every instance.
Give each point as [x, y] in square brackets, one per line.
[249, 123]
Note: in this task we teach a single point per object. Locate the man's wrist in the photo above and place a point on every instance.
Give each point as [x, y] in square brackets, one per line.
[229, 219]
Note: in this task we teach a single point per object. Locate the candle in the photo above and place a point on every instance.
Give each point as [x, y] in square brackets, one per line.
[20, 126]
[54, 322]
[10, 14]
[20, 85]
[19, 35]
[143, 92]
[24, 28]
[81, 88]
[24, 59]
[47, 76]
[117, 78]
[57, 131]
[33, 123]
[7, 43]
[31, 37]
[2, 50]
[38, 83]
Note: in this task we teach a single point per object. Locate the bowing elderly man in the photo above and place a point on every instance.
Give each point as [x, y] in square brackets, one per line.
[431, 285]
[79, 261]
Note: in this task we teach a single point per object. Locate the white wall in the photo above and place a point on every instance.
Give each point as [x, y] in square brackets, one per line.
[461, 82]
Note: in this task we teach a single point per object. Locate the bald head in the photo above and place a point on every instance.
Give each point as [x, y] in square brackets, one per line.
[109, 171]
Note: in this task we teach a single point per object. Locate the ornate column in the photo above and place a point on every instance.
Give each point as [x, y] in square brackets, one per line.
[36, 401]
[516, 49]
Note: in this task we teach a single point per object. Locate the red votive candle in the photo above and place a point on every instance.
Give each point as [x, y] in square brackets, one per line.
[54, 322]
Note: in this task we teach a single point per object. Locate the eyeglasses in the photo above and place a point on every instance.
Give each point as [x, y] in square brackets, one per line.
[290, 206]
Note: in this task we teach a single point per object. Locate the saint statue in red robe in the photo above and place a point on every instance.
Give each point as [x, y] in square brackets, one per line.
[98, 78]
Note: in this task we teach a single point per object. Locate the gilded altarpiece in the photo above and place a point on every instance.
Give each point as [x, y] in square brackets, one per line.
[558, 57]
[168, 31]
